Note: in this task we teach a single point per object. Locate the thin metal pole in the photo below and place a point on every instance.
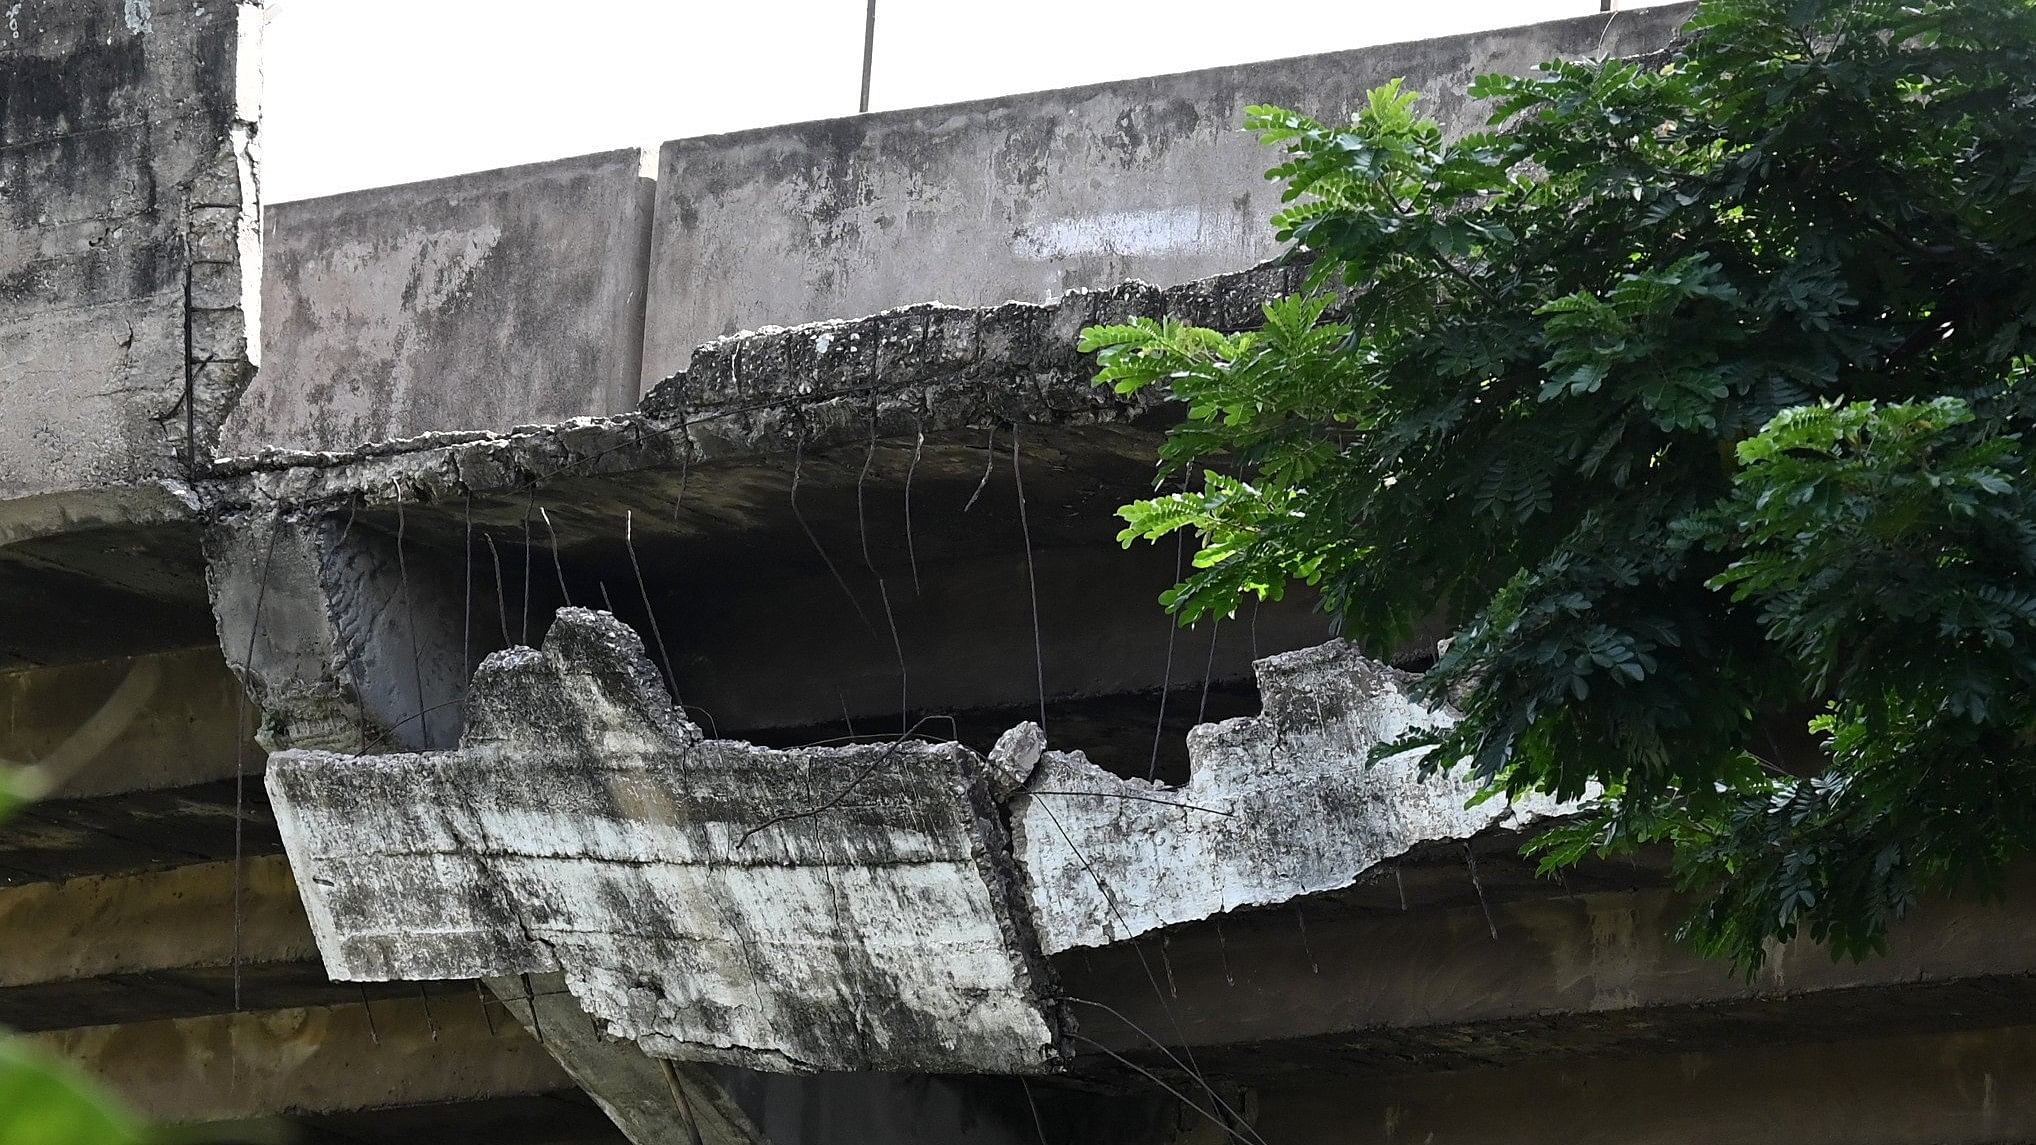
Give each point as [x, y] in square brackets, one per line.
[869, 47]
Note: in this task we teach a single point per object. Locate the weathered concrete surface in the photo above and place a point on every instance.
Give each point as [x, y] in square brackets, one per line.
[1276, 807]
[482, 301]
[340, 646]
[928, 368]
[129, 236]
[271, 601]
[1026, 196]
[315, 1059]
[833, 908]
[652, 1100]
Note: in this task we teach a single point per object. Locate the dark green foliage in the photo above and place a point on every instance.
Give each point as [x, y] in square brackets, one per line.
[1696, 398]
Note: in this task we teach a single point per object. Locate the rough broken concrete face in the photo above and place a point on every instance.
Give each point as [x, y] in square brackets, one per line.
[1277, 806]
[848, 908]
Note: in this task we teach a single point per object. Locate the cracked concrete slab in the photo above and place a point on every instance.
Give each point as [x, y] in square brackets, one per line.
[843, 908]
[1277, 807]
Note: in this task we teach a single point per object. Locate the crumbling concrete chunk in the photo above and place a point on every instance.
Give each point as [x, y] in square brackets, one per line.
[1017, 753]
[847, 908]
[1277, 806]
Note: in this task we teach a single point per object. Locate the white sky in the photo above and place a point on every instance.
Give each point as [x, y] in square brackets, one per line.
[363, 93]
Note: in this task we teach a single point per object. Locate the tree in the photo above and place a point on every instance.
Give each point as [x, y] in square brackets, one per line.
[1695, 397]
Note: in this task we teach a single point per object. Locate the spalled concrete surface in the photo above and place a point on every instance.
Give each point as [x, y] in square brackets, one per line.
[481, 301]
[928, 368]
[1276, 807]
[833, 908]
[902, 413]
[130, 240]
[1026, 196]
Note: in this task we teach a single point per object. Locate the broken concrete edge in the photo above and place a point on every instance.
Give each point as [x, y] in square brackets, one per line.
[551, 840]
[927, 368]
[1277, 807]
[223, 244]
[581, 798]
[654, 1101]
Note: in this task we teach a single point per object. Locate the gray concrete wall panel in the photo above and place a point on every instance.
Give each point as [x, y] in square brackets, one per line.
[486, 300]
[127, 214]
[1028, 196]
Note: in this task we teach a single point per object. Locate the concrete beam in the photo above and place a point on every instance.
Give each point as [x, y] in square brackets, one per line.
[137, 831]
[1374, 989]
[185, 917]
[1967, 1088]
[137, 723]
[317, 1059]
[340, 646]
[835, 908]
[1276, 807]
[177, 942]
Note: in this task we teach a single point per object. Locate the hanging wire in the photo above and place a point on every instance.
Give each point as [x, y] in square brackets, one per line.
[240, 754]
[1031, 576]
[410, 622]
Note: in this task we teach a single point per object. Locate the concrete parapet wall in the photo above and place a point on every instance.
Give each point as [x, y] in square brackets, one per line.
[556, 290]
[1028, 196]
[129, 234]
[479, 301]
